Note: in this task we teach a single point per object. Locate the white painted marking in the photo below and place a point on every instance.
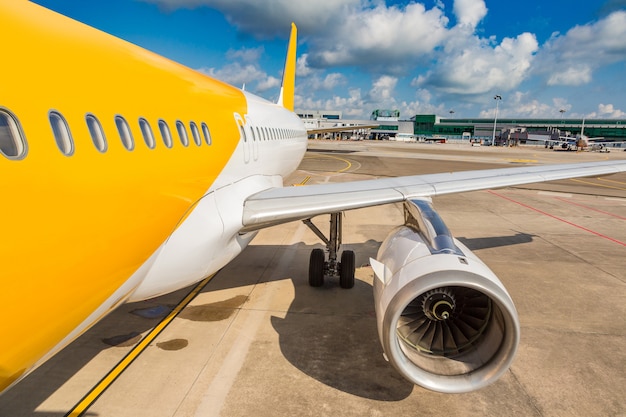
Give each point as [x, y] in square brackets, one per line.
[555, 194]
[214, 398]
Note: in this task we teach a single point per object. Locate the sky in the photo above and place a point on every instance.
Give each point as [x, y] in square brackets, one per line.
[443, 57]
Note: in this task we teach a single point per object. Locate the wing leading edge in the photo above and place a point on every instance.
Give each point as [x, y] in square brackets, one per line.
[280, 205]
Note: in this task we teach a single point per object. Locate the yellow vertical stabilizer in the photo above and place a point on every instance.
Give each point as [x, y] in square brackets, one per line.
[287, 89]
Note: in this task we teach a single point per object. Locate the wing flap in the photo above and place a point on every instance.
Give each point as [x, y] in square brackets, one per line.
[281, 205]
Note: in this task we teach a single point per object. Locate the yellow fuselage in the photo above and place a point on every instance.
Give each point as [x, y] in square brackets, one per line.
[76, 227]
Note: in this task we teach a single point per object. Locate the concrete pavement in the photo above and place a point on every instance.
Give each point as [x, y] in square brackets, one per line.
[258, 340]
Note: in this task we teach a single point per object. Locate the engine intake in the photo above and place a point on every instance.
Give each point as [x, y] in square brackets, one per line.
[445, 320]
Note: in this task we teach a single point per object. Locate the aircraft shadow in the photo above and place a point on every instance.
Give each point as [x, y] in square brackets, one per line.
[496, 241]
[328, 333]
[120, 329]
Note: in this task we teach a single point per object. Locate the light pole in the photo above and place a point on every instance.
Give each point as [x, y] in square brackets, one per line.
[497, 98]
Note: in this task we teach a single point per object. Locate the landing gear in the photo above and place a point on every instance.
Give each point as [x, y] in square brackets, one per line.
[347, 268]
[316, 268]
[319, 267]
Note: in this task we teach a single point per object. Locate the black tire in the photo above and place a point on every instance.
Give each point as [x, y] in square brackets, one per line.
[316, 268]
[347, 268]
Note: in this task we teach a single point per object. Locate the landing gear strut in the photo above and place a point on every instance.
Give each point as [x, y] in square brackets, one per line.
[319, 267]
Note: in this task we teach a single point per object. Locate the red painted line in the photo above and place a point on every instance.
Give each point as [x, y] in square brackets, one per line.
[589, 208]
[557, 218]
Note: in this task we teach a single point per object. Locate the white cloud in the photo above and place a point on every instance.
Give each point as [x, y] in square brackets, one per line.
[267, 84]
[272, 17]
[570, 59]
[383, 89]
[238, 74]
[469, 12]
[389, 42]
[317, 81]
[380, 37]
[380, 96]
[610, 112]
[251, 55]
[519, 104]
[576, 75]
[353, 105]
[302, 66]
[410, 109]
[365, 33]
[470, 65]
[332, 80]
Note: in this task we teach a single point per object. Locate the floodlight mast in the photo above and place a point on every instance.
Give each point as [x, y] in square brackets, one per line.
[497, 98]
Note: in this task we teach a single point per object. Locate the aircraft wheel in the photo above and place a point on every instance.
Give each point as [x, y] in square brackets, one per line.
[316, 268]
[346, 272]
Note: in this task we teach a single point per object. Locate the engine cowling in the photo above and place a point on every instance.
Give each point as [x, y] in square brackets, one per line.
[445, 321]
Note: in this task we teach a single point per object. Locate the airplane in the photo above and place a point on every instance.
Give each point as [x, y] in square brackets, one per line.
[127, 176]
[579, 142]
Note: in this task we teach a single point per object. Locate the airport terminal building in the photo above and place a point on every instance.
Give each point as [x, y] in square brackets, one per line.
[518, 130]
[427, 127]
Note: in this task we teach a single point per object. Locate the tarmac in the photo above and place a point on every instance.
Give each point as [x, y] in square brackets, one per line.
[256, 339]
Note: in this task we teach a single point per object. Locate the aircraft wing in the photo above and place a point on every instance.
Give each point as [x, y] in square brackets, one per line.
[281, 205]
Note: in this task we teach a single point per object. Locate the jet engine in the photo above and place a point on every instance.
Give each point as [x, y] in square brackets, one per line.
[445, 321]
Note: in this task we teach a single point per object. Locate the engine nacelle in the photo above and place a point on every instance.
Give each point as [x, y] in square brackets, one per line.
[445, 320]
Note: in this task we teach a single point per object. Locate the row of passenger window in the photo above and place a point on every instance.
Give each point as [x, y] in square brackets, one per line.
[64, 140]
[268, 133]
[13, 143]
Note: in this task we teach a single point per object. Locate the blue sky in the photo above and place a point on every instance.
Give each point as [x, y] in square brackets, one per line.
[431, 57]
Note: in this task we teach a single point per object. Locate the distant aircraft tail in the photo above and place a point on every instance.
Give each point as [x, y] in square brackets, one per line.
[287, 89]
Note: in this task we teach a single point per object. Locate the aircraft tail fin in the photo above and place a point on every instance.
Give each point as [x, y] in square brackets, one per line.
[287, 89]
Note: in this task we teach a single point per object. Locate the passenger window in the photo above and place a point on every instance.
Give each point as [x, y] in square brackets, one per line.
[182, 133]
[206, 133]
[124, 131]
[12, 143]
[96, 132]
[195, 133]
[146, 132]
[61, 132]
[165, 133]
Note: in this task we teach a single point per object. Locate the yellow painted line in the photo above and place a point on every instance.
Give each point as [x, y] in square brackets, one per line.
[303, 182]
[348, 163]
[597, 185]
[343, 160]
[523, 161]
[106, 382]
[607, 180]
